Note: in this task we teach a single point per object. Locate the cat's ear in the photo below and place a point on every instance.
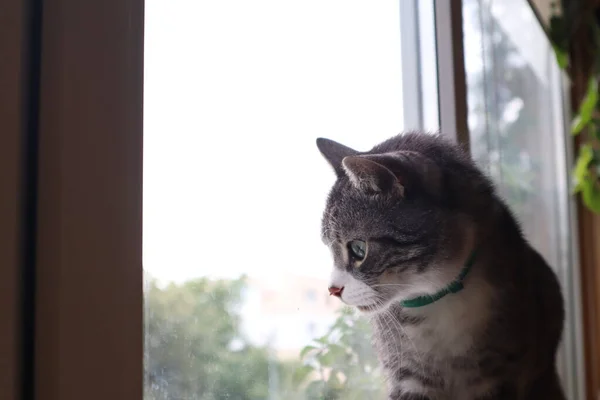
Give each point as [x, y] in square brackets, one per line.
[334, 153]
[406, 170]
[370, 176]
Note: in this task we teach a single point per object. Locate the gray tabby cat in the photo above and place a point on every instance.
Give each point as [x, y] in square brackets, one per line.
[462, 307]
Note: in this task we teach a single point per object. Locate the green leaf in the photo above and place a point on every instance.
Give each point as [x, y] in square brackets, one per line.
[306, 350]
[591, 194]
[562, 57]
[587, 182]
[336, 350]
[333, 380]
[322, 340]
[586, 109]
[559, 36]
[301, 373]
[585, 157]
[326, 359]
[577, 125]
[592, 128]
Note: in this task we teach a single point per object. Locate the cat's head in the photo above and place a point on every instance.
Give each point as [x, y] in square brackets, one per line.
[390, 222]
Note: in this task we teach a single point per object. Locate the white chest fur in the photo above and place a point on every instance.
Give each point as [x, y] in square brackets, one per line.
[452, 323]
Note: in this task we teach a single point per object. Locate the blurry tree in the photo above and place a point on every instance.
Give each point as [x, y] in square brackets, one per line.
[194, 348]
[507, 110]
[342, 363]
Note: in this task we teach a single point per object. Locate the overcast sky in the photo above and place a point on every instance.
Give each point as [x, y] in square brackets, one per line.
[235, 94]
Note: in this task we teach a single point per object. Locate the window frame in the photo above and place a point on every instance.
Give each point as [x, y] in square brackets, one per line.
[89, 319]
[12, 103]
[588, 231]
[581, 343]
[413, 90]
[574, 342]
[570, 280]
[433, 29]
[452, 84]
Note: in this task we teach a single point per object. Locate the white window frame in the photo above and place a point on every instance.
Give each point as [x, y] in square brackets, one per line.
[433, 72]
[573, 338]
[419, 87]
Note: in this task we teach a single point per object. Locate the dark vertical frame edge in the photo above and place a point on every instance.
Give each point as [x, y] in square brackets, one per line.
[452, 85]
[28, 190]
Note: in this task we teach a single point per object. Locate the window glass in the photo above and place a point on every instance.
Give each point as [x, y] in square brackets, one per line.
[236, 275]
[517, 131]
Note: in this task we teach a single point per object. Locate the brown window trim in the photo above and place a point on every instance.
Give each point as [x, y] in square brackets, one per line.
[589, 245]
[452, 84]
[89, 322]
[589, 250]
[11, 128]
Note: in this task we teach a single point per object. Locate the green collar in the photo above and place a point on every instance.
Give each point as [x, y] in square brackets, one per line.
[454, 287]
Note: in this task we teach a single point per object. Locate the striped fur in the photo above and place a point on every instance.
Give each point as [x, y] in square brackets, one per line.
[422, 206]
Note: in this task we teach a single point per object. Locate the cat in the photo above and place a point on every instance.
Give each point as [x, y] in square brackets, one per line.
[461, 306]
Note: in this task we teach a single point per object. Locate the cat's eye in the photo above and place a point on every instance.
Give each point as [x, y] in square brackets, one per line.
[357, 249]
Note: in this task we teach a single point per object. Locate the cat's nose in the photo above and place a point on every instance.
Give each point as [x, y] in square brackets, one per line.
[335, 291]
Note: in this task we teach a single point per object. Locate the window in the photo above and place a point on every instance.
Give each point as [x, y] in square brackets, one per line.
[517, 127]
[233, 89]
[310, 328]
[235, 95]
[310, 296]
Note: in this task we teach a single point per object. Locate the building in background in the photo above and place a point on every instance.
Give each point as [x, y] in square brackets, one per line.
[286, 311]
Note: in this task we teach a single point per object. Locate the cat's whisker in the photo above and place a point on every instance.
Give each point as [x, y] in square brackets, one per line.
[418, 354]
[390, 330]
[398, 354]
[392, 284]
